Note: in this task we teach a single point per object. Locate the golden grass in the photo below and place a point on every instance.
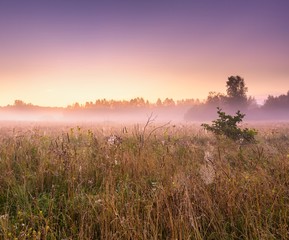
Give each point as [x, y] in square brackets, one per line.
[72, 183]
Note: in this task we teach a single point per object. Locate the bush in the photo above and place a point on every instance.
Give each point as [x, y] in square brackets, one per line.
[226, 125]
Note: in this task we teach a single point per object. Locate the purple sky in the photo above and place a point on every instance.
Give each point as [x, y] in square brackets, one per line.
[58, 52]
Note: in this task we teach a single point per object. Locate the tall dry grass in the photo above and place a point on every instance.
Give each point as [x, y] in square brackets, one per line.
[172, 182]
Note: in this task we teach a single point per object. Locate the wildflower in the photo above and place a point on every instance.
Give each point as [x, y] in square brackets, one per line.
[98, 201]
[241, 141]
[114, 140]
[154, 185]
[90, 182]
[4, 217]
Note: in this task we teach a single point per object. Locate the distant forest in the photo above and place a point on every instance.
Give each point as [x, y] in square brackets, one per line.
[274, 108]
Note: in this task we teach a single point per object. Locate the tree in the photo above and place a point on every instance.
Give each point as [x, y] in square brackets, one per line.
[279, 102]
[76, 105]
[236, 91]
[169, 102]
[215, 99]
[159, 103]
[19, 103]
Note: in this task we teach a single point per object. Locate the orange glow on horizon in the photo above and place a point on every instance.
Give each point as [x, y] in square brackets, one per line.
[59, 54]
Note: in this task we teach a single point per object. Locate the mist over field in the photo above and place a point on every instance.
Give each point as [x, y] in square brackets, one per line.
[141, 181]
[91, 115]
[274, 108]
[171, 114]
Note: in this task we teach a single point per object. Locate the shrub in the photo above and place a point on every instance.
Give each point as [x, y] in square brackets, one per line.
[226, 125]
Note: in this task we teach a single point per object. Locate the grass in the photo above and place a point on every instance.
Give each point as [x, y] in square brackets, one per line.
[169, 182]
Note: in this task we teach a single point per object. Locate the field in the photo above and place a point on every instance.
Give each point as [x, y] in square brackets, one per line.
[142, 182]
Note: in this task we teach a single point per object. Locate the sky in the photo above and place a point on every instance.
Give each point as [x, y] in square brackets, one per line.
[55, 53]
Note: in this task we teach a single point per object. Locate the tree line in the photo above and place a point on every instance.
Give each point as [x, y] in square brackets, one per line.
[234, 99]
[113, 104]
[237, 97]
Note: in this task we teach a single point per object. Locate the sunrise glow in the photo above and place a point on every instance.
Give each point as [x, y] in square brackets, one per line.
[55, 54]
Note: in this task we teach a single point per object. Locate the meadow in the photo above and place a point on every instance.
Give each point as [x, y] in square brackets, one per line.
[142, 181]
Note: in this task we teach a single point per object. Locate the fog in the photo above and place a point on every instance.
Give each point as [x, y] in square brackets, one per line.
[136, 115]
[257, 114]
[202, 112]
